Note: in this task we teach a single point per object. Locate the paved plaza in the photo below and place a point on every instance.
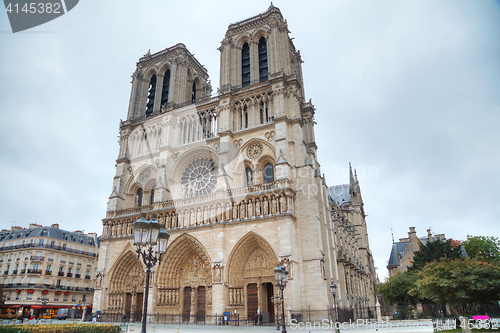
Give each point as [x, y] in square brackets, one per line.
[394, 327]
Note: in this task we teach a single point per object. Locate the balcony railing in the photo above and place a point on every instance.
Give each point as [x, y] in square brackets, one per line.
[77, 276]
[48, 272]
[69, 274]
[14, 271]
[45, 286]
[71, 262]
[37, 258]
[60, 273]
[62, 261]
[47, 246]
[87, 277]
[50, 259]
[78, 263]
[34, 271]
[5, 272]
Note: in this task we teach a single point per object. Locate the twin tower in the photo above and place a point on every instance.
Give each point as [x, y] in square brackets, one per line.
[232, 177]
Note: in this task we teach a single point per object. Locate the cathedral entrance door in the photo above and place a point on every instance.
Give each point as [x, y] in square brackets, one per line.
[186, 314]
[128, 304]
[200, 314]
[138, 306]
[267, 293]
[252, 301]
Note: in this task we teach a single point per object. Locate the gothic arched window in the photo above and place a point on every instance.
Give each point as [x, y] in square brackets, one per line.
[151, 96]
[248, 176]
[193, 93]
[245, 65]
[138, 198]
[165, 88]
[152, 198]
[262, 59]
[269, 173]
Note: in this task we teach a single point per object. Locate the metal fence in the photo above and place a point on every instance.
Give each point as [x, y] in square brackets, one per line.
[226, 319]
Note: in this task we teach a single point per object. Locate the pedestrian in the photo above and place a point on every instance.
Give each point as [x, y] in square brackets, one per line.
[124, 318]
[94, 318]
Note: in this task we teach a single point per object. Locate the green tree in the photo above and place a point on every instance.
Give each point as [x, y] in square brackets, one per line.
[395, 289]
[460, 283]
[485, 248]
[432, 251]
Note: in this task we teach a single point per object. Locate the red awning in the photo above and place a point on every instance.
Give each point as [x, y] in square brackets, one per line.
[15, 306]
[37, 307]
[30, 291]
[58, 293]
[17, 291]
[67, 293]
[45, 292]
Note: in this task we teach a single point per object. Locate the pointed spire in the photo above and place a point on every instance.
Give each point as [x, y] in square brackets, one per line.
[351, 178]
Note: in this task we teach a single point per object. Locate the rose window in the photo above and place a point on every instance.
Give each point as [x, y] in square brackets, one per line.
[200, 177]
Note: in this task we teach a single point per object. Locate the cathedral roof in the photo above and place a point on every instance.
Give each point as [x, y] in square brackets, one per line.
[340, 194]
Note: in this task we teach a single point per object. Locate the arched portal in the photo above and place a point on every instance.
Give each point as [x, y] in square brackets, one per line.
[126, 286]
[250, 275]
[185, 279]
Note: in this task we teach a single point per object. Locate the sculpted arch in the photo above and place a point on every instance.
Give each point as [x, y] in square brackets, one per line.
[183, 275]
[126, 283]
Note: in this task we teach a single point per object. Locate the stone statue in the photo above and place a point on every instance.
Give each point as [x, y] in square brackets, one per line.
[266, 206]
[199, 218]
[219, 213]
[257, 208]
[235, 212]
[242, 210]
[250, 209]
[274, 206]
[282, 204]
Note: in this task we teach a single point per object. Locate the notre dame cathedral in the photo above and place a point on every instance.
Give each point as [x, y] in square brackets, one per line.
[236, 182]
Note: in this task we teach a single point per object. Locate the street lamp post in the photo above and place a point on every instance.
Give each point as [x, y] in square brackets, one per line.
[281, 277]
[276, 305]
[147, 236]
[333, 289]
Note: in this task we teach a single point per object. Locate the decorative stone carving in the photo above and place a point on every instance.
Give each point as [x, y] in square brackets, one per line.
[145, 175]
[255, 151]
[270, 135]
[200, 177]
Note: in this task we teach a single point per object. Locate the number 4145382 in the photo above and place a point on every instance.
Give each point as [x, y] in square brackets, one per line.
[35, 8]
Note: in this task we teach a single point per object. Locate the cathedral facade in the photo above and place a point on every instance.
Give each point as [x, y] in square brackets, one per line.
[235, 181]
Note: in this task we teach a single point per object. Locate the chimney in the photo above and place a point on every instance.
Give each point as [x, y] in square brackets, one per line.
[16, 228]
[412, 231]
[5, 230]
[429, 235]
[34, 225]
[78, 232]
[55, 226]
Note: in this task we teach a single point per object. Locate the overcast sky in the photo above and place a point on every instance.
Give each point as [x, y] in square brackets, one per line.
[407, 91]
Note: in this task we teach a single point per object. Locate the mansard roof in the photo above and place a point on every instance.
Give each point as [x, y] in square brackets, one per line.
[398, 249]
[55, 233]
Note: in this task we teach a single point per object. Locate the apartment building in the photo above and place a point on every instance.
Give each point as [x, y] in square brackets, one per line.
[46, 268]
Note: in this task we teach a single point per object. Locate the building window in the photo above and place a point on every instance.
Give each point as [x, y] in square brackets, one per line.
[262, 59]
[165, 88]
[138, 198]
[151, 96]
[152, 197]
[245, 65]
[248, 177]
[193, 93]
[84, 298]
[269, 173]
